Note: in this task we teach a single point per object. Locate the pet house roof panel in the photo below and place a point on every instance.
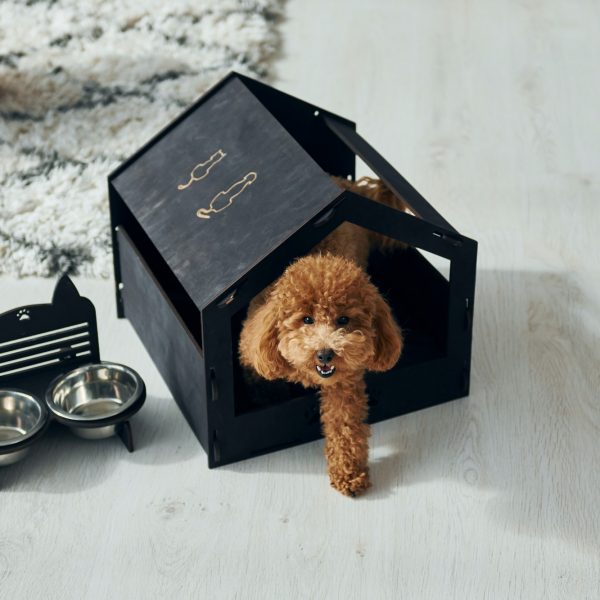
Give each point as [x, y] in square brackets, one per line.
[220, 187]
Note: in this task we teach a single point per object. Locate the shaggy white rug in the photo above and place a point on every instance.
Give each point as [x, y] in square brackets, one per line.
[83, 84]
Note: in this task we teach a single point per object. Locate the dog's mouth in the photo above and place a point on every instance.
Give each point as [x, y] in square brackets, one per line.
[325, 370]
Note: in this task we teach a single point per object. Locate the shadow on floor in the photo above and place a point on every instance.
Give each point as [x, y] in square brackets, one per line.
[527, 435]
[61, 462]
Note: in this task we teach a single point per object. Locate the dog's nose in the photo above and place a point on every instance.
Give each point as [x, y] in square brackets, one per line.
[325, 355]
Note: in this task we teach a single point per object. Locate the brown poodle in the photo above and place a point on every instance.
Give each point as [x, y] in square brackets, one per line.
[323, 324]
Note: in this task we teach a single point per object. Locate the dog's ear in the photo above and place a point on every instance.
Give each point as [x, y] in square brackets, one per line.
[388, 337]
[259, 341]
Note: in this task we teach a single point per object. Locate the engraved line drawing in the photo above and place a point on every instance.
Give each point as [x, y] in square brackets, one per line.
[215, 159]
[247, 180]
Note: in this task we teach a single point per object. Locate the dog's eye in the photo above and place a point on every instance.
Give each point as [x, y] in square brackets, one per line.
[343, 320]
[308, 320]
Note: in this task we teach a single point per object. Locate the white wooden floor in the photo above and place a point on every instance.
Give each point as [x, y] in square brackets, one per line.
[490, 109]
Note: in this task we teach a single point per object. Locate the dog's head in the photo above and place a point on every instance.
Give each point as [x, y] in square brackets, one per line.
[323, 322]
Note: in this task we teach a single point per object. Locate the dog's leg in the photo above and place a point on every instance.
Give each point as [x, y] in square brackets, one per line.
[343, 412]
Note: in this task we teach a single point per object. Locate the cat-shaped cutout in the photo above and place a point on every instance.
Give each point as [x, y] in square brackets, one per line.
[225, 198]
[201, 170]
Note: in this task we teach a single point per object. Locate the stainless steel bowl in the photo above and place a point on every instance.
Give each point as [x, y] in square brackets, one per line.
[94, 398]
[22, 416]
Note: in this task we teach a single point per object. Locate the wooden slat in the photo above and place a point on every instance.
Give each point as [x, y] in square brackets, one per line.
[45, 347]
[39, 338]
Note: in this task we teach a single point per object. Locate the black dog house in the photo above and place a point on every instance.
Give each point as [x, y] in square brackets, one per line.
[213, 209]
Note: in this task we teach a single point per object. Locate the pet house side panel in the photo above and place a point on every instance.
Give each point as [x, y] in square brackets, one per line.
[171, 346]
[121, 217]
[256, 176]
[408, 389]
[266, 430]
[463, 272]
[116, 208]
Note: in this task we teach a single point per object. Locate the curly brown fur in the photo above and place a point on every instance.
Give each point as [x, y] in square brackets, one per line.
[344, 409]
[277, 343]
[355, 242]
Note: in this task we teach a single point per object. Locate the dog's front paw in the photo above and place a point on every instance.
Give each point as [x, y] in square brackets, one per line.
[351, 485]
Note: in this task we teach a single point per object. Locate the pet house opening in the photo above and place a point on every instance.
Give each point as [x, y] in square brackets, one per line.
[417, 292]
